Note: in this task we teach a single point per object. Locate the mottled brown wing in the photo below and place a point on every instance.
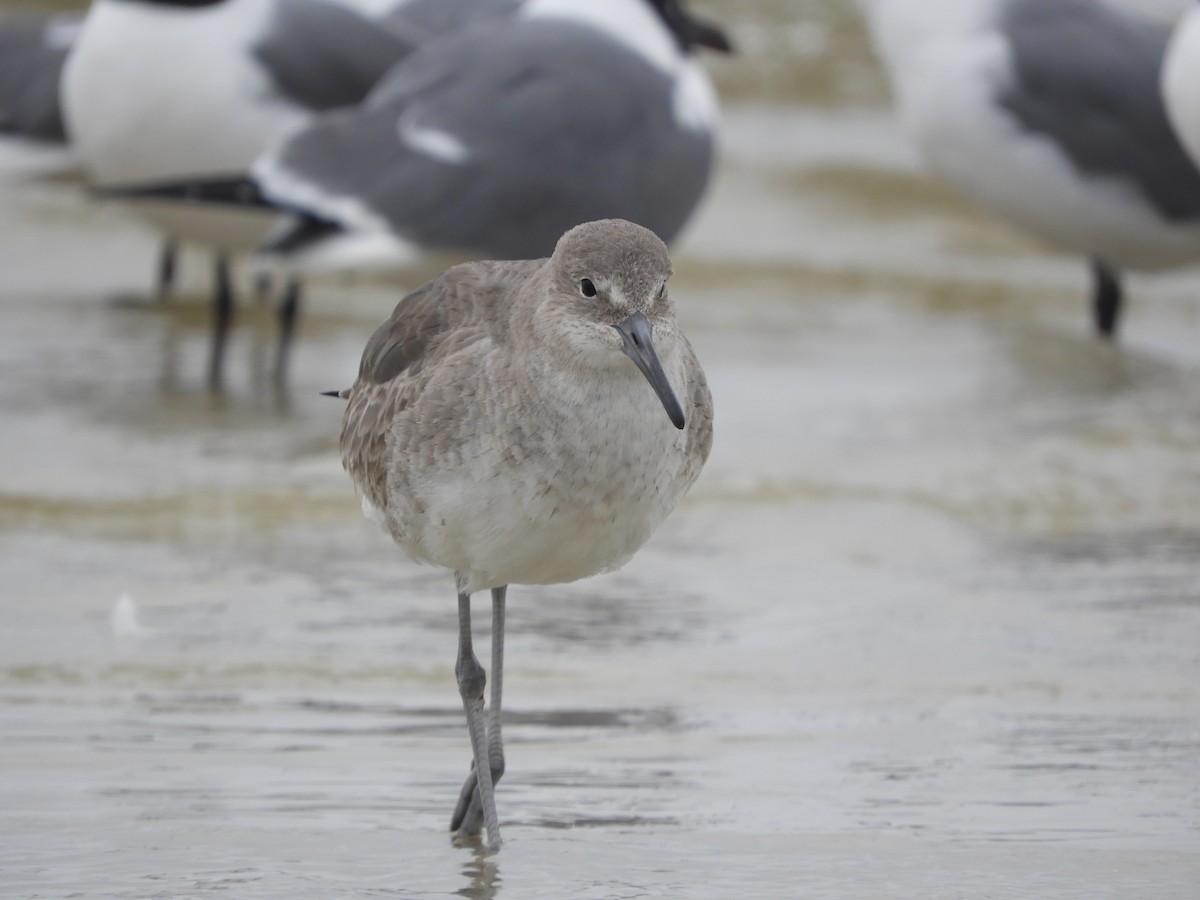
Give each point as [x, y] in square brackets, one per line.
[447, 313]
[408, 335]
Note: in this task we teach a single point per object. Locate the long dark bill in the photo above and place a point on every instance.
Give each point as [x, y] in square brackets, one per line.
[637, 334]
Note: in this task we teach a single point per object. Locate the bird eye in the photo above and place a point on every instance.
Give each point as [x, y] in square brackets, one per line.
[587, 288]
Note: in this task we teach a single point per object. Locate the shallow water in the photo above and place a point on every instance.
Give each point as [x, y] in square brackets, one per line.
[927, 627]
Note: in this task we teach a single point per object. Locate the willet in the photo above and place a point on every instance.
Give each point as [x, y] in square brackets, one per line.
[495, 139]
[498, 429]
[1048, 113]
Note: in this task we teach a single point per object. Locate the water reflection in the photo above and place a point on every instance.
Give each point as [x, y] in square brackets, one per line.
[482, 874]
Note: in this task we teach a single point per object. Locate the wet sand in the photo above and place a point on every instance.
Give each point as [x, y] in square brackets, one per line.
[927, 626]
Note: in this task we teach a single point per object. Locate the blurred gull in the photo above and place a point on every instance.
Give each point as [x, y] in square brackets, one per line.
[494, 140]
[166, 89]
[1181, 81]
[1048, 114]
[33, 52]
[33, 48]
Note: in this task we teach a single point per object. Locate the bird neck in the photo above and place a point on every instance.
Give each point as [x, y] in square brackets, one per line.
[632, 23]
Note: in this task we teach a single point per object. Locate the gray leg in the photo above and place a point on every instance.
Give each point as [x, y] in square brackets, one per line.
[471, 682]
[1106, 299]
[289, 309]
[168, 259]
[468, 814]
[262, 286]
[222, 316]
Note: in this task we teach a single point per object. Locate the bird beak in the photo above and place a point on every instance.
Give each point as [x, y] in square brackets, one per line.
[692, 31]
[708, 34]
[637, 335]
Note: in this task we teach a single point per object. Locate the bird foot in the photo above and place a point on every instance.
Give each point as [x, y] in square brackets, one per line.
[468, 812]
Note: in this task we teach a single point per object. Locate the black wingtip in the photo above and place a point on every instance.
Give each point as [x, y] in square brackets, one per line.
[296, 233]
[234, 190]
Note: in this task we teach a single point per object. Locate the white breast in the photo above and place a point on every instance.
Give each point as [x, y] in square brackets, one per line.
[1181, 82]
[603, 484]
[154, 93]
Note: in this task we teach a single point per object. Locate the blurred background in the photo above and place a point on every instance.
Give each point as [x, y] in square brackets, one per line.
[927, 626]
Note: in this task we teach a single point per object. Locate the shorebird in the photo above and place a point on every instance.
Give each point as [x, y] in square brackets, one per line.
[507, 424]
[493, 140]
[1048, 113]
[1181, 81]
